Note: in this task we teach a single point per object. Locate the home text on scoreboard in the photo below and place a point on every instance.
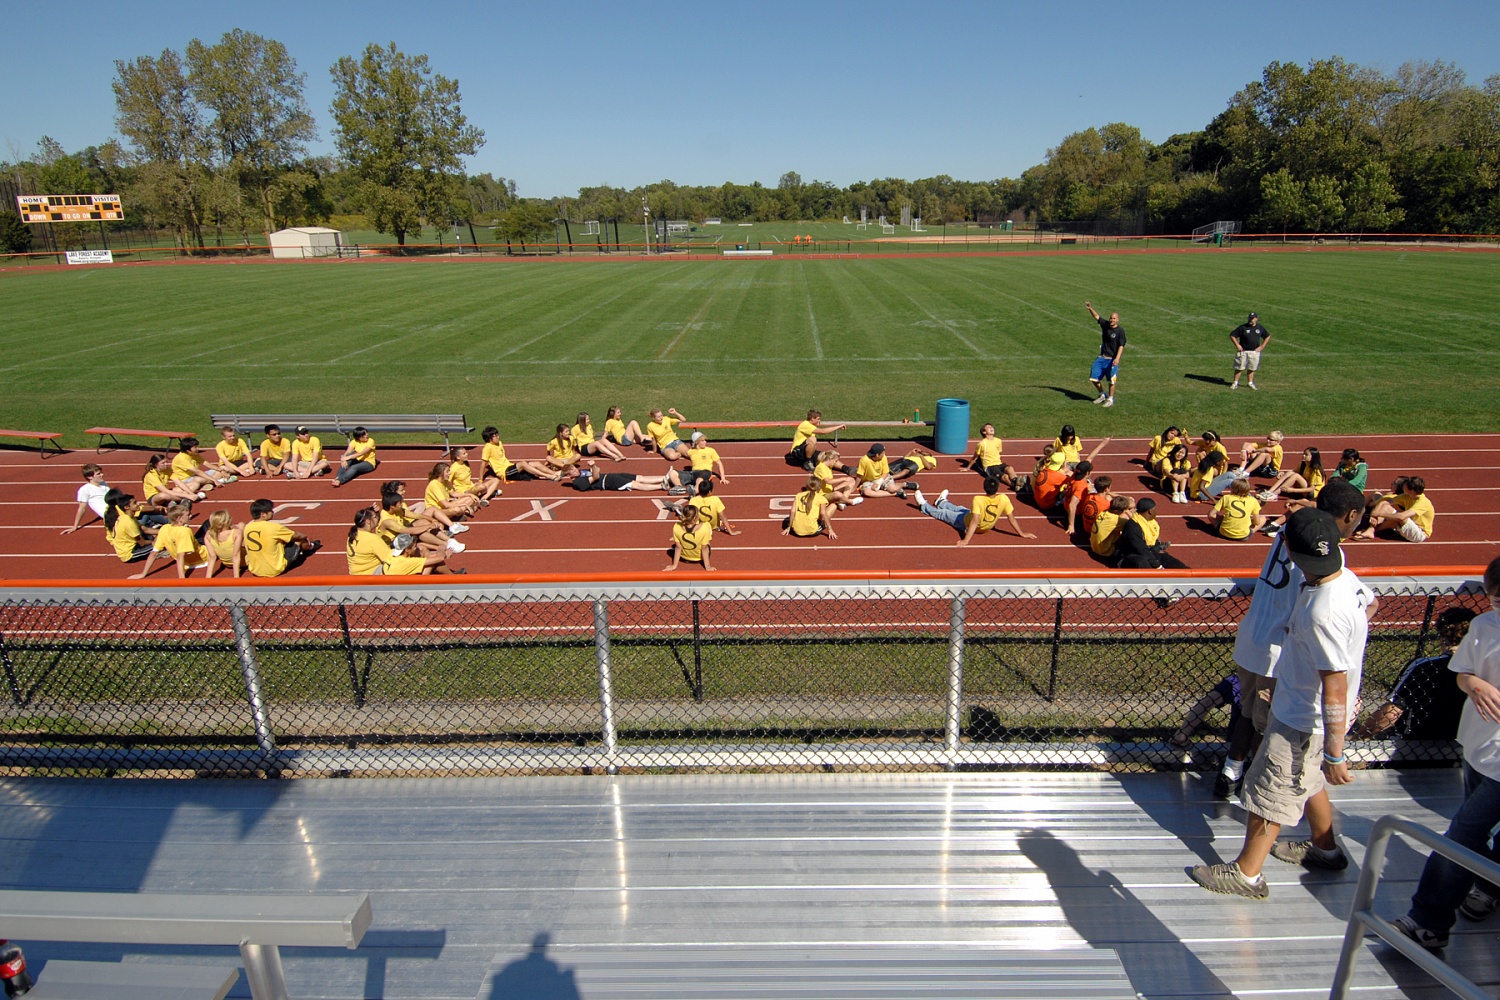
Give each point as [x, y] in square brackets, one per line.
[69, 207]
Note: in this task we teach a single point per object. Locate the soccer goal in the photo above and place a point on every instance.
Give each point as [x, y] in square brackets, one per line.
[591, 227]
[1217, 233]
[888, 228]
[916, 224]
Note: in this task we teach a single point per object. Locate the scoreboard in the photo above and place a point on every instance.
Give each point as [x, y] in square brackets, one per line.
[69, 207]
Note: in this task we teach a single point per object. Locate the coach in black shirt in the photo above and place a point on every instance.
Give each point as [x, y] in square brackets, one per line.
[1111, 348]
[1249, 338]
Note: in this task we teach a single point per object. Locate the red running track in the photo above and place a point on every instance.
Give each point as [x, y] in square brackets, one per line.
[543, 528]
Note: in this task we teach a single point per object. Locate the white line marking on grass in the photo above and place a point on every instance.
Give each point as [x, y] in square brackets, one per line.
[943, 324]
[692, 321]
[133, 341]
[1014, 298]
[345, 357]
[559, 327]
[812, 317]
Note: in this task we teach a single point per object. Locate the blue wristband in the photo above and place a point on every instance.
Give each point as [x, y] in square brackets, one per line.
[1334, 760]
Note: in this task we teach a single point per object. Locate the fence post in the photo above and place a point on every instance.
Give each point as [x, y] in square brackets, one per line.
[955, 676]
[697, 655]
[606, 683]
[244, 644]
[1056, 649]
[10, 674]
[354, 684]
[1426, 624]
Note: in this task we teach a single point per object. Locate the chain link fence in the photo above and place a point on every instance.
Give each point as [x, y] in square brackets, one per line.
[736, 676]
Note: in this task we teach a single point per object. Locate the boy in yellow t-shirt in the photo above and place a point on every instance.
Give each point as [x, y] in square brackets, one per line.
[1237, 513]
[234, 454]
[1106, 534]
[692, 540]
[498, 466]
[273, 453]
[271, 548]
[176, 539]
[981, 516]
[359, 458]
[1266, 457]
[805, 440]
[307, 456]
[1409, 511]
[189, 470]
[704, 461]
[711, 508]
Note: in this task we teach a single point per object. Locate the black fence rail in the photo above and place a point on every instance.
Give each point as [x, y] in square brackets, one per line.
[486, 679]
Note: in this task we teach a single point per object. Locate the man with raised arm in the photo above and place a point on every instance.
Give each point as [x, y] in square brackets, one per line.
[1106, 366]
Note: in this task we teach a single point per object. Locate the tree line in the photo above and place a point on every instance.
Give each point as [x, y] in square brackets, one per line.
[214, 140]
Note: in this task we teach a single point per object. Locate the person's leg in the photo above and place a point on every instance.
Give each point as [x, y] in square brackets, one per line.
[352, 471]
[947, 513]
[1444, 884]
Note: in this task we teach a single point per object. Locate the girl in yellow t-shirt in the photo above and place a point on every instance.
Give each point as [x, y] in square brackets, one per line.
[1209, 467]
[618, 431]
[441, 497]
[1068, 443]
[587, 444]
[1161, 446]
[371, 555]
[160, 488]
[692, 540]
[130, 538]
[462, 476]
[812, 514]
[176, 539]
[1305, 483]
[561, 454]
[1209, 443]
[1175, 470]
[226, 543]
[1237, 513]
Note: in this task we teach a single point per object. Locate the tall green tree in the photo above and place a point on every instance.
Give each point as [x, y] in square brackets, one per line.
[156, 111]
[260, 121]
[401, 129]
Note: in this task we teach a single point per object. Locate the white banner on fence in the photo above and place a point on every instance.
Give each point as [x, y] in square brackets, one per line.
[91, 257]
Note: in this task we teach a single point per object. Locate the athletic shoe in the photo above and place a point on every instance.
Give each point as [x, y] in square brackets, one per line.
[1102, 397]
[483, 502]
[1239, 474]
[1234, 385]
[1478, 904]
[1224, 789]
[677, 491]
[1254, 386]
[1431, 940]
[455, 546]
[1309, 855]
[1265, 496]
[921, 500]
[231, 479]
[856, 501]
[1228, 879]
[1109, 402]
[201, 495]
[840, 505]
[809, 465]
[900, 494]
[942, 496]
[458, 529]
[1271, 530]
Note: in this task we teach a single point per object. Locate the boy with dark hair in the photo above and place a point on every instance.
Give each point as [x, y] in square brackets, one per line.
[271, 548]
[981, 516]
[1426, 701]
[1141, 545]
[273, 452]
[1409, 508]
[1075, 491]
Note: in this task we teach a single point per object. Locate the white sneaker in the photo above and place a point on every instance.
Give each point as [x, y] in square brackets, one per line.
[1109, 402]
[455, 546]
[856, 501]
[921, 500]
[1265, 496]
[1234, 385]
[1239, 474]
[458, 529]
[1102, 397]
[200, 495]
[942, 496]
[840, 505]
[1255, 387]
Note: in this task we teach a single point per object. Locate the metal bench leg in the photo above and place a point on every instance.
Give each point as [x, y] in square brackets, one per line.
[42, 448]
[263, 971]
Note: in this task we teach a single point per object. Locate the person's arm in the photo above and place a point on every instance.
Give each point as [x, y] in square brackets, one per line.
[1119, 353]
[1092, 311]
[1335, 725]
[707, 550]
[77, 518]
[1016, 526]
[726, 527]
[1377, 722]
[238, 548]
[676, 555]
[1100, 446]
[182, 570]
[1484, 695]
[1265, 338]
[1073, 506]
[971, 525]
[825, 514]
[145, 570]
[720, 464]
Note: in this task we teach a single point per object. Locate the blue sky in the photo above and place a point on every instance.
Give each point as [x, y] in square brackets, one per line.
[573, 93]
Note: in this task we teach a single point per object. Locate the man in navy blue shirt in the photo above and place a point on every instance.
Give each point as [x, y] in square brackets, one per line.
[1111, 348]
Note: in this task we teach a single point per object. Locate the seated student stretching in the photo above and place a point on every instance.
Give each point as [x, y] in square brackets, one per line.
[692, 540]
[987, 461]
[461, 476]
[177, 540]
[621, 433]
[1175, 471]
[160, 489]
[271, 548]
[274, 451]
[359, 459]
[1237, 514]
[805, 440]
[839, 489]
[189, 469]
[875, 476]
[979, 517]
[1305, 484]
[1075, 489]
[124, 528]
[812, 514]
[498, 466]
[919, 460]
[1264, 458]
[440, 497]
[703, 461]
[93, 496]
[234, 456]
[587, 443]
[661, 433]
[1410, 512]
[369, 554]
[562, 455]
[225, 542]
[711, 508]
[307, 456]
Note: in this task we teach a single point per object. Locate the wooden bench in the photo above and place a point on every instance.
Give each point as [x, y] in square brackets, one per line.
[344, 423]
[114, 434]
[257, 924]
[42, 437]
[741, 424]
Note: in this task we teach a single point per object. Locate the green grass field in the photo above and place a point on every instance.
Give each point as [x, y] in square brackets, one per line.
[1363, 341]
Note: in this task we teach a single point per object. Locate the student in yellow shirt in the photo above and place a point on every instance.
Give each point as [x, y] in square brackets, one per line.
[805, 440]
[711, 508]
[177, 540]
[661, 432]
[440, 495]
[160, 489]
[585, 441]
[1106, 534]
[812, 514]
[703, 461]
[1409, 511]
[561, 454]
[461, 475]
[234, 454]
[189, 469]
[981, 516]
[621, 433]
[271, 548]
[1210, 467]
[359, 458]
[1175, 470]
[838, 488]
[1265, 457]
[123, 528]
[307, 456]
[1306, 483]
[1068, 442]
[498, 466]
[874, 474]
[1159, 447]
[986, 460]
[692, 540]
[371, 555]
[1209, 443]
[225, 541]
[1237, 513]
[431, 528]
[273, 452]
[918, 460]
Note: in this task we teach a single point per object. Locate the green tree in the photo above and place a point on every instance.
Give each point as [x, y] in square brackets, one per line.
[1323, 206]
[1283, 201]
[1370, 200]
[15, 235]
[260, 122]
[400, 128]
[157, 113]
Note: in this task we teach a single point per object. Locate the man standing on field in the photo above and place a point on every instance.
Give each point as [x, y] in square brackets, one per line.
[1249, 339]
[1111, 348]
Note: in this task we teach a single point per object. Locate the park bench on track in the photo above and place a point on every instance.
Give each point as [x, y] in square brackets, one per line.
[344, 423]
[42, 437]
[115, 432]
[257, 924]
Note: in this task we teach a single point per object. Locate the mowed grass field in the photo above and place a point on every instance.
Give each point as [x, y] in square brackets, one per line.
[1363, 341]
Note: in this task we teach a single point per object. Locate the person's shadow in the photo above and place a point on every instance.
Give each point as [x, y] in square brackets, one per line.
[533, 977]
[1070, 393]
[1108, 915]
[1210, 379]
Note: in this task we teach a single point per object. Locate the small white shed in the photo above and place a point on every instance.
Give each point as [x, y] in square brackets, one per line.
[305, 241]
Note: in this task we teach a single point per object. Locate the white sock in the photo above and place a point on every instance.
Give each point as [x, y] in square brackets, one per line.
[1233, 768]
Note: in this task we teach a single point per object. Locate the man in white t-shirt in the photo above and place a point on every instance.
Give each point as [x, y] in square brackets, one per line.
[1441, 892]
[90, 496]
[1257, 642]
[1318, 675]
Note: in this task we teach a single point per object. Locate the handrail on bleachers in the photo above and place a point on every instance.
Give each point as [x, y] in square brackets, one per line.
[445, 424]
[1362, 916]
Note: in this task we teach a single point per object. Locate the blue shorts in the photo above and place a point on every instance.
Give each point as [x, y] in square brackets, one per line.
[1103, 368]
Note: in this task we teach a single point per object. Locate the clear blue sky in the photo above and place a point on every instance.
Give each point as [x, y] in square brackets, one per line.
[574, 93]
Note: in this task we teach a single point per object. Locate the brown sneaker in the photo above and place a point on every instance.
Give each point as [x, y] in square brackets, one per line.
[1308, 855]
[1228, 879]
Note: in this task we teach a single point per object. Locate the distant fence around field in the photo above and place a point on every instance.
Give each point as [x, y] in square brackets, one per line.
[572, 677]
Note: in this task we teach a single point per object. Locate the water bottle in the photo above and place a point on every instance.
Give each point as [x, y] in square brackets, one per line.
[916, 416]
[13, 974]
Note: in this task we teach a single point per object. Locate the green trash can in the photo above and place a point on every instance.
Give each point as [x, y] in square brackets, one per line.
[951, 434]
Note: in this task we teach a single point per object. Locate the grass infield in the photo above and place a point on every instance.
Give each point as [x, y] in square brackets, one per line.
[1363, 341]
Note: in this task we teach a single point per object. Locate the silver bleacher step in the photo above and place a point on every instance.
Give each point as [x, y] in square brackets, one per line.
[810, 972]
